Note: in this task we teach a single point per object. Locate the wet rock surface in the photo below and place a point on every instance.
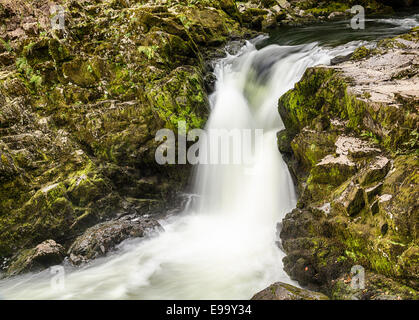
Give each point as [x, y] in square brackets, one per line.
[44, 255]
[354, 157]
[104, 237]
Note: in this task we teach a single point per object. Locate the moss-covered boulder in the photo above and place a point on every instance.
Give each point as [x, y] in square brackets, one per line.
[44, 255]
[104, 237]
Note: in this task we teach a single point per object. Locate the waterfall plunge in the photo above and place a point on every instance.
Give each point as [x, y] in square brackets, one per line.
[223, 247]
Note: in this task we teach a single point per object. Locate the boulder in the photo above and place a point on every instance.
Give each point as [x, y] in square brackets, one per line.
[44, 255]
[284, 141]
[102, 238]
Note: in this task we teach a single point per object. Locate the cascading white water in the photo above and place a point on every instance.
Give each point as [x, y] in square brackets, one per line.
[405, 23]
[224, 247]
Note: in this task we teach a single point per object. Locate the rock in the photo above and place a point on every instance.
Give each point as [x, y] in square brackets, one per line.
[376, 287]
[102, 238]
[312, 251]
[335, 15]
[310, 146]
[254, 17]
[84, 73]
[352, 200]
[331, 170]
[270, 22]
[58, 51]
[376, 171]
[7, 58]
[354, 147]
[268, 3]
[284, 141]
[408, 263]
[373, 192]
[284, 291]
[44, 255]
[340, 59]
[276, 8]
[375, 207]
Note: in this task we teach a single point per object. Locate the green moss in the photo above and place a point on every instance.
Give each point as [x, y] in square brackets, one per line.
[186, 105]
[149, 51]
[331, 175]
[320, 91]
[84, 189]
[5, 160]
[361, 53]
[36, 80]
[85, 73]
[33, 79]
[6, 45]
[327, 8]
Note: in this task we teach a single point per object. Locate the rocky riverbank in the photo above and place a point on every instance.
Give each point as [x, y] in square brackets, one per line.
[351, 143]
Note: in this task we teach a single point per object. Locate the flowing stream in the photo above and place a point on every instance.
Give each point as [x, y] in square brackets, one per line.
[223, 246]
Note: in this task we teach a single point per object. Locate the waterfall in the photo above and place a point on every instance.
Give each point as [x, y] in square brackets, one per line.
[224, 245]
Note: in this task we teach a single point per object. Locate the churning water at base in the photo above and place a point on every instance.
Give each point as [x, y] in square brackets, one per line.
[223, 246]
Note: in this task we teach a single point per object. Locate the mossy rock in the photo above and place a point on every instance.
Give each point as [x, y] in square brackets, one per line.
[44, 255]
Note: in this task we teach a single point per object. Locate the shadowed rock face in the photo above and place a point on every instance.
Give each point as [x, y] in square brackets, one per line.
[352, 144]
[284, 291]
